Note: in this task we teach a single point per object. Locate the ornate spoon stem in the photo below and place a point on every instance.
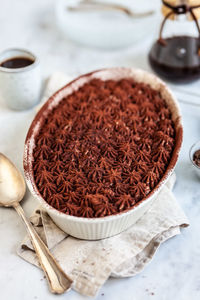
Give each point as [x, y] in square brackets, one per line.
[57, 279]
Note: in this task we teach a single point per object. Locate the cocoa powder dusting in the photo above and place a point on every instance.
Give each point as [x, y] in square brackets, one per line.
[103, 148]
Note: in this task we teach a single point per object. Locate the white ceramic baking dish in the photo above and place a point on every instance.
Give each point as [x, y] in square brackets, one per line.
[99, 228]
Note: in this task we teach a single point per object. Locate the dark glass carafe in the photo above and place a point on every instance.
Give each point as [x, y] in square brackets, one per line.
[177, 58]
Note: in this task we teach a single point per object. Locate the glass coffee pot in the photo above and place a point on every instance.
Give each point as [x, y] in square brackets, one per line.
[177, 56]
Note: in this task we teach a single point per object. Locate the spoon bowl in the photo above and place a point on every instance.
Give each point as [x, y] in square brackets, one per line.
[12, 184]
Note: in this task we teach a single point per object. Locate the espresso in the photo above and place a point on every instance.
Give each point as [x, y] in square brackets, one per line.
[178, 59]
[16, 62]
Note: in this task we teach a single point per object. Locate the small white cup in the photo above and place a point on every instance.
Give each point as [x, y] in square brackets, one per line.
[20, 87]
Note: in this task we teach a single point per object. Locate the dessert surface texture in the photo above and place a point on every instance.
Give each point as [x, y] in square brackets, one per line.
[104, 148]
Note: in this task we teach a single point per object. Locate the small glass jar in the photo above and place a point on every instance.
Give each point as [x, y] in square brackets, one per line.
[195, 147]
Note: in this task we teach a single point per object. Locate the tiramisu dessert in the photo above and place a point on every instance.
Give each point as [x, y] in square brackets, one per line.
[104, 148]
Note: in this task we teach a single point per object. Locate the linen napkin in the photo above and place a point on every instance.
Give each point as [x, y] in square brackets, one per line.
[91, 263]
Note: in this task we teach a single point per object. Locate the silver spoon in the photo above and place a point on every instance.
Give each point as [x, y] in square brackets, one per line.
[95, 5]
[12, 190]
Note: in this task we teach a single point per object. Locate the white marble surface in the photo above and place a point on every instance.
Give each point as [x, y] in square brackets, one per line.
[174, 271]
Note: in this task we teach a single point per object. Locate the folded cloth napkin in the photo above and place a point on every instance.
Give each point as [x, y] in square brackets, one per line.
[91, 263]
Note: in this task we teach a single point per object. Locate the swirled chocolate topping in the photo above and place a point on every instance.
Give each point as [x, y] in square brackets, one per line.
[103, 148]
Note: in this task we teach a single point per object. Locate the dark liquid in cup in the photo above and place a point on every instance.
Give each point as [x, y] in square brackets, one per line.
[178, 60]
[16, 62]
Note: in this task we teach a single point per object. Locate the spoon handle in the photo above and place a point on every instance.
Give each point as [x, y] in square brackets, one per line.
[58, 281]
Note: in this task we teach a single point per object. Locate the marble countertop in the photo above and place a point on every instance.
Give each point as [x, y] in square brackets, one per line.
[174, 271]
